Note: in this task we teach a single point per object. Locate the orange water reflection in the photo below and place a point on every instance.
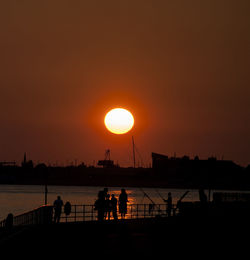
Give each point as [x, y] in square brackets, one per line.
[18, 199]
[131, 201]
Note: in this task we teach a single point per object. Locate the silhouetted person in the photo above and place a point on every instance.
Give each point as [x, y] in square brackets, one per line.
[203, 201]
[150, 208]
[123, 199]
[107, 206]
[58, 203]
[9, 222]
[67, 209]
[106, 195]
[105, 190]
[114, 206]
[169, 204]
[203, 196]
[100, 205]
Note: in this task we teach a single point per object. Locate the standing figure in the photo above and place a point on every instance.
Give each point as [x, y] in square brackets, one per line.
[58, 203]
[202, 196]
[107, 206]
[100, 205]
[169, 204]
[123, 199]
[114, 206]
[203, 202]
[106, 195]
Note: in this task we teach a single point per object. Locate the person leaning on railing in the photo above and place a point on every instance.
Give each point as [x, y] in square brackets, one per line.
[58, 204]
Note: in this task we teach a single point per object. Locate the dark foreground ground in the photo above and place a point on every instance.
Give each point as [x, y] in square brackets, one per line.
[149, 238]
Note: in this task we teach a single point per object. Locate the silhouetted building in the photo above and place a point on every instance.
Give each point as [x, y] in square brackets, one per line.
[196, 171]
[25, 163]
[159, 160]
[7, 164]
[107, 163]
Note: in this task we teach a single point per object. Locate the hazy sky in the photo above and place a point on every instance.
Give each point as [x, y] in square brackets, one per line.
[181, 67]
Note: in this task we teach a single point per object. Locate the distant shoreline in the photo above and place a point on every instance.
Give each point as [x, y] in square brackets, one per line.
[170, 186]
[181, 175]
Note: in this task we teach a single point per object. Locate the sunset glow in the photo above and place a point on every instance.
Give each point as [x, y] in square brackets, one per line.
[119, 121]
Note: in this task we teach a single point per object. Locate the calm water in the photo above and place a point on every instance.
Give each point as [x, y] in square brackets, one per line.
[18, 199]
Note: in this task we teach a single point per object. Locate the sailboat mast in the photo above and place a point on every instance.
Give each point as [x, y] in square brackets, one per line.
[133, 143]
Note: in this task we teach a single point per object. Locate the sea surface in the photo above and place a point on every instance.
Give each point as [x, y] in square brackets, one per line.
[18, 199]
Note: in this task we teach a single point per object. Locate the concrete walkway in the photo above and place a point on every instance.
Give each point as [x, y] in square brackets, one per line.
[129, 239]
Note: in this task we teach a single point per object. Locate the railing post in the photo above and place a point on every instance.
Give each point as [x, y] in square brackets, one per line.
[83, 213]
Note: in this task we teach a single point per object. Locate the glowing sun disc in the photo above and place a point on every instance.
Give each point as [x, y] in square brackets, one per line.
[119, 121]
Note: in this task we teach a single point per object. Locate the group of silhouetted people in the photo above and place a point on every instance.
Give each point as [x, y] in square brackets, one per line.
[106, 205]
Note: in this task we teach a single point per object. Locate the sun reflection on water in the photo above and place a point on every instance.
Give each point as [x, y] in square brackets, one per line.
[18, 199]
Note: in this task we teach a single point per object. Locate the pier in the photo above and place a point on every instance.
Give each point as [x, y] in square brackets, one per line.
[84, 213]
[145, 232]
[81, 229]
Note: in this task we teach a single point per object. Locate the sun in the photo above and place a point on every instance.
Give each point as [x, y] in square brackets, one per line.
[119, 121]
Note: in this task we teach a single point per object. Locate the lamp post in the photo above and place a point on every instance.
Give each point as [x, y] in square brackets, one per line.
[46, 193]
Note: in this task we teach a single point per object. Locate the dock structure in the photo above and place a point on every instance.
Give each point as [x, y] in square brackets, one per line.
[224, 205]
[84, 213]
[146, 232]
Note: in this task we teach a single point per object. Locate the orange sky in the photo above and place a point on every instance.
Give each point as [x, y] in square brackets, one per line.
[181, 67]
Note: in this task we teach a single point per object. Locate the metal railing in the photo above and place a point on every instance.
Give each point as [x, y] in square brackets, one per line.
[88, 213]
[38, 216]
[81, 213]
[41, 215]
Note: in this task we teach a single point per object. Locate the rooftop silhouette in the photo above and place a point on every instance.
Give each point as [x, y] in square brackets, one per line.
[165, 172]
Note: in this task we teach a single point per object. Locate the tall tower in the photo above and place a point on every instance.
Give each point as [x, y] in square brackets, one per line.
[24, 158]
[24, 162]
